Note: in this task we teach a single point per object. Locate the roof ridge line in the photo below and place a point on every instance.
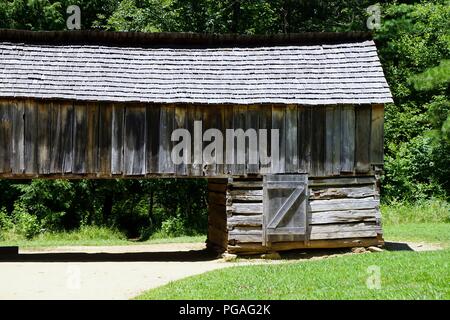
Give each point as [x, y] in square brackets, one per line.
[178, 39]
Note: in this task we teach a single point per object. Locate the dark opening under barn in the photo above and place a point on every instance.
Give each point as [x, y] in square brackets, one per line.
[78, 105]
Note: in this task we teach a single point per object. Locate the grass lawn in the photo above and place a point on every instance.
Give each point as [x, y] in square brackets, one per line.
[404, 275]
[420, 232]
[89, 236]
[425, 221]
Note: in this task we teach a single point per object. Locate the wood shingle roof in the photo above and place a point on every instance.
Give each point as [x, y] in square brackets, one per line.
[309, 74]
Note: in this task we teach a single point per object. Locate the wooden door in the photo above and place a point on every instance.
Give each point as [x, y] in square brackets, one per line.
[284, 203]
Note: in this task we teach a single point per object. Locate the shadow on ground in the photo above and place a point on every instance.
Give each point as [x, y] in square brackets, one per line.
[397, 246]
[172, 256]
[177, 256]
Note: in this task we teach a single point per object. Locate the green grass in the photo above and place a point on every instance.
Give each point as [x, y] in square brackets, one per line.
[427, 211]
[425, 221]
[404, 275]
[438, 233]
[87, 236]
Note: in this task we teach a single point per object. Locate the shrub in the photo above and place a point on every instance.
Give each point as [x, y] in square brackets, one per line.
[6, 222]
[173, 227]
[25, 224]
[84, 233]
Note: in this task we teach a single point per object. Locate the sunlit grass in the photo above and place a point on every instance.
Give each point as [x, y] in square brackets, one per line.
[87, 236]
[403, 275]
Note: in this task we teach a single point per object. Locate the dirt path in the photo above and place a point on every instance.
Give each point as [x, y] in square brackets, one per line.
[122, 272]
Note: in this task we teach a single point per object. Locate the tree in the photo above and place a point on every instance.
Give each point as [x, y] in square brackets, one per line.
[414, 44]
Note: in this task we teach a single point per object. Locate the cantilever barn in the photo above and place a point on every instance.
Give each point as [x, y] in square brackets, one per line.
[104, 105]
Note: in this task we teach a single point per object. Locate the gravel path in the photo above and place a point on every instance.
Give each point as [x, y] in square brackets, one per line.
[122, 272]
[97, 273]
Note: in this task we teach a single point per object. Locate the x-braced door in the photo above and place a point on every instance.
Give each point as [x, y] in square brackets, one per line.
[285, 206]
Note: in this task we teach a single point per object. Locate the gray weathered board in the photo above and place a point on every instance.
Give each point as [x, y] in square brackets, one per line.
[341, 211]
[284, 208]
[72, 140]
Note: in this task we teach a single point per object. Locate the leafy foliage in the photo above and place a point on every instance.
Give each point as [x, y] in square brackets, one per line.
[414, 47]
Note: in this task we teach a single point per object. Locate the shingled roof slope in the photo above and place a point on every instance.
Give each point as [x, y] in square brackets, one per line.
[308, 74]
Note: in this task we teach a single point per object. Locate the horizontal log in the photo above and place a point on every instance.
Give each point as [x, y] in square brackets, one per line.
[316, 218]
[245, 221]
[344, 234]
[241, 238]
[337, 193]
[245, 208]
[246, 184]
[343, 204]
[327, 217]
[248, 248]
[341, 181]
[257, 220]
[245, 195]
[315, 232]
[342, 231]
[251, 234]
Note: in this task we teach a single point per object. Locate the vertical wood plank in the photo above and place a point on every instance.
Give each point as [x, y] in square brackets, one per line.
[196, 114]
[45, 137]
[347, 138]
[105, 140]
[304, 138]
[265, 122]
[67, 121]
[31, 135]
[362, 138]
[166, 126]
[220, 125]
[56, 138]
[18, 139]
[80, 138]
[329, 139]
[336, 157]
[239, 115]
[208, 123]
[5, 137]
[318, 142]
[152, 143]
[252, 122]
[228, 123]
[135, 137]
[278, 122]
[181, 123]
[117, 132]
[92, 138]
[377, 135]
[291, 139]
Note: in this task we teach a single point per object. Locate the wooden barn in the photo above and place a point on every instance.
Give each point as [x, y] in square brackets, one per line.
[105, 105]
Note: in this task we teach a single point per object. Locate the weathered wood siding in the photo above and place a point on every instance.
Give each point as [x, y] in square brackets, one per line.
[341, 212]
[217, 215]
[67, 139]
